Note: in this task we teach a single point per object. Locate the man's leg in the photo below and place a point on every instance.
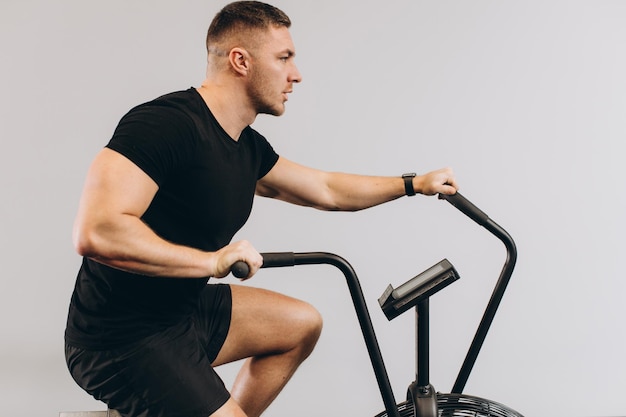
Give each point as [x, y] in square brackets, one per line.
[276, 333]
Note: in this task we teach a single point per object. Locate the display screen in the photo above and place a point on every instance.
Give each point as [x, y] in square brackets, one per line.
[419, 280]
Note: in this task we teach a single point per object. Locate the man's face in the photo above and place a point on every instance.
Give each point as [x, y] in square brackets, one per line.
[273, 72]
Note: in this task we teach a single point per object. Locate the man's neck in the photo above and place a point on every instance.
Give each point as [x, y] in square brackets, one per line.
[228, 105]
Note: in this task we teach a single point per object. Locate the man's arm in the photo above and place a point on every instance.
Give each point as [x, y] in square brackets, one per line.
[109, 229]
[305, 186]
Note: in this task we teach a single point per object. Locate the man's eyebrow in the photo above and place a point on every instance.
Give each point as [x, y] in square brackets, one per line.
[289, 52]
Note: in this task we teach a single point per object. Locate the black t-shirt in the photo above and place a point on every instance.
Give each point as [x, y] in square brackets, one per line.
[206, 187]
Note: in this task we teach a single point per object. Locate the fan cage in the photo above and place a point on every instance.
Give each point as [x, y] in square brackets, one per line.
[459, 405]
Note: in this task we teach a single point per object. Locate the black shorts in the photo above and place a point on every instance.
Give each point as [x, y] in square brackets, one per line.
[168, 374]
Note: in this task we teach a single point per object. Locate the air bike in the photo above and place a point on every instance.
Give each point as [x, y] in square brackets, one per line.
[422, 399]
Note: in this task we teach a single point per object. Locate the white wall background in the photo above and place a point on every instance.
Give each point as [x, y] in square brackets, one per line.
[526, 100]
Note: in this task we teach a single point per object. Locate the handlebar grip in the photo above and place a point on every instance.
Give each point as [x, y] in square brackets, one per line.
[278, 259]
[240, 269]
[466, 207]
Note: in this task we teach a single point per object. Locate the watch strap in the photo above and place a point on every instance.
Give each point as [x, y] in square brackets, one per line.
[408, 183]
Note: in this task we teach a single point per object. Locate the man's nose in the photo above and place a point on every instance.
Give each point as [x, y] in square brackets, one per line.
[295, 77]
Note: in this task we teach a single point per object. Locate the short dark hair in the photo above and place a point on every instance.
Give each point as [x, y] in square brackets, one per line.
[242, 16]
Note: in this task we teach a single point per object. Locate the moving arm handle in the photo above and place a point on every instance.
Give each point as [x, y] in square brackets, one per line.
[280, 259]
[469, 209]
[240, 269]
[466, 206]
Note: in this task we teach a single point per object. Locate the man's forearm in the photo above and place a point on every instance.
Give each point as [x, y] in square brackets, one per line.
[129, 244]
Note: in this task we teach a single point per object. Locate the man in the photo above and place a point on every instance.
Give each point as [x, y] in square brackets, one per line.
[160, 206]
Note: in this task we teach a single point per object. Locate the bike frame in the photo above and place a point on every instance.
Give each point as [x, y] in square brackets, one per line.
[421, 386]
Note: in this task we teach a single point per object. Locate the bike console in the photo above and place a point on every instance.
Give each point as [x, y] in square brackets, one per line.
[396, 301]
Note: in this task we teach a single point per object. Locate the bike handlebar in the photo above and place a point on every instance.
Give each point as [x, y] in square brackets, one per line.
[240, 269]
[466, 207]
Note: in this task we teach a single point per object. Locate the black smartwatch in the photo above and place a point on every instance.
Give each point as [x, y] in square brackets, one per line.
[408, 183]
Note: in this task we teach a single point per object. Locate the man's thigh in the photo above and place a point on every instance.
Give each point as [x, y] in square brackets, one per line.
[265, 322]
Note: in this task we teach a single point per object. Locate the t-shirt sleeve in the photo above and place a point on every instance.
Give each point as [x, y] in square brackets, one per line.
[154, 138]
[268, 155]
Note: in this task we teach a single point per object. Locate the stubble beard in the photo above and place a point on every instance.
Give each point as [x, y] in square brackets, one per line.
[260, 93]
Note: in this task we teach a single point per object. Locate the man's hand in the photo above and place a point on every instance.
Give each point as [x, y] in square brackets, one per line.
[238, 251]
[441, 181]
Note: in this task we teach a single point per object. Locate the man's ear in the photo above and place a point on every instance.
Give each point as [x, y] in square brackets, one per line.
[239, 60]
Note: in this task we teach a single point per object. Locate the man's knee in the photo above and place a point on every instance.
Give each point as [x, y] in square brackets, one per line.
[308, 325]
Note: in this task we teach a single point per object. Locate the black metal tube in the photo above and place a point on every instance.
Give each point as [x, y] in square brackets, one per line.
[473, 212]
[422, 373]
[373, 348]
[492, 306]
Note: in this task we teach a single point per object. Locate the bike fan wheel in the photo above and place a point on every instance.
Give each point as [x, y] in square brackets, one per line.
[459, 405]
